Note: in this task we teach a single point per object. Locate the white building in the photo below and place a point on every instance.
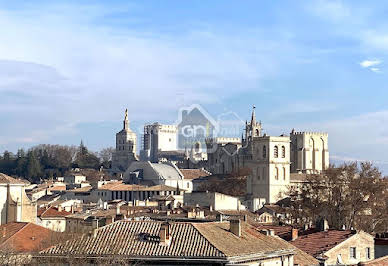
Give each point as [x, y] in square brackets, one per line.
[125, 147]
[214, 200]
[15, 206]
[158, 138]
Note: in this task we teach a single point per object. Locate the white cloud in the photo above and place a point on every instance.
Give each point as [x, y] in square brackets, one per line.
[59, 71]
[369, 63]
[375, 69]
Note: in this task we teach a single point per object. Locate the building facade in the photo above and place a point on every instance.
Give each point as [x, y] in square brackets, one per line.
[125, 147]
[15, 206]
[158, 138]
[309, 152]
[269, 159]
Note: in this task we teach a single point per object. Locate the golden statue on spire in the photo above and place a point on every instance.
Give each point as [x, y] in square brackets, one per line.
[126, 114]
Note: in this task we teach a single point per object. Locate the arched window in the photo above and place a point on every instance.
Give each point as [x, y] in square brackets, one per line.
[276, 152]
[283, 152]
[276, 173]
[264, 151]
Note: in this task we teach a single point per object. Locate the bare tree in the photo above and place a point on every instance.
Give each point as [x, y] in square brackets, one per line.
[350, 196]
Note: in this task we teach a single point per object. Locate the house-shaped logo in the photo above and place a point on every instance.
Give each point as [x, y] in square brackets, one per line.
[195, 125]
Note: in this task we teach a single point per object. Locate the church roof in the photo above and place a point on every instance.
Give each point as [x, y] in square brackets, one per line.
[166, 171]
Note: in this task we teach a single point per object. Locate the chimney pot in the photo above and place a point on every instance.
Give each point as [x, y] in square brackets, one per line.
[235, 227]
[271, 232]
[294, 234]
[165, 234]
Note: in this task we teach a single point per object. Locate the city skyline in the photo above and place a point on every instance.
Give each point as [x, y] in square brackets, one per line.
[68, 70]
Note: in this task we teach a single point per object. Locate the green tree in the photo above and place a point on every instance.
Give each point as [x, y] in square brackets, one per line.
[34, 169]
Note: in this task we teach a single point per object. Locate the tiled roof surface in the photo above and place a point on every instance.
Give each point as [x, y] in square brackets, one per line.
[320, 242]
[193, 173]
[51, 212]
[81, 189]
[283, 232]
[58, 188]
[25, 237]
[189, 240]
[5, 179]
[120, 186]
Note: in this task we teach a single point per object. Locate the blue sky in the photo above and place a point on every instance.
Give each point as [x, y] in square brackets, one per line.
[68, 69]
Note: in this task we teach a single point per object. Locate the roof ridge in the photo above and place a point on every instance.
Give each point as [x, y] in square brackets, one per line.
[211, 244]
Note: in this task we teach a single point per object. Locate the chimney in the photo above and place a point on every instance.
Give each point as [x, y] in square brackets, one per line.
[271, 232]
[294, 234]
[4, 231]
[165, 234]
[219, 217]
[60, 209]
[325, 225]
[118, 209]
[235, 227]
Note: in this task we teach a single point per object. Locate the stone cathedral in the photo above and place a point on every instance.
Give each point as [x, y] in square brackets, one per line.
[125, 152]
[272, 160]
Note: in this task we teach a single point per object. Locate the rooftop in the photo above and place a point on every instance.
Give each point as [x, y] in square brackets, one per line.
[194, 173]
[202, 241]
[5, 179]
[51, 212]
[320, 242]
[25, 237]
[120, 186]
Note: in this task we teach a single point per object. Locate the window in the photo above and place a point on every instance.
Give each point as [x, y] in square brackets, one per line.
[276, 173]
[352, 253]
[258, 173]
[276, 152]
[283, 152]
[264, 151]
[367, 253]
[284, 173]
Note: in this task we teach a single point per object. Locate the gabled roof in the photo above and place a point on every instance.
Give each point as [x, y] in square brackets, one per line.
[320, 242]
[5, 179]
[194, 173]
[25, 237]
[377, 262]
[202, 241]
[51, 212]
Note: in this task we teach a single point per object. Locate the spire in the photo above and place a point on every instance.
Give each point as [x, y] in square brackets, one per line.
[126, 122]
[253, 120]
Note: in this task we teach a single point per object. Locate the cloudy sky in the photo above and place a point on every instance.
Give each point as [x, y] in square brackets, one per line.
[69, 69]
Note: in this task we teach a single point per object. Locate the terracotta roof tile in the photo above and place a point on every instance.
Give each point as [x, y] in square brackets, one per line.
[25, 237]
[194, 173]
[5, 179]
[189, 240]
[51, 212]
[320, 242]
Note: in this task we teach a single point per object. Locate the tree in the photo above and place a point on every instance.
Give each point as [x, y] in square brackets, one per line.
[348, 196]
[105, 156]
[34, 170]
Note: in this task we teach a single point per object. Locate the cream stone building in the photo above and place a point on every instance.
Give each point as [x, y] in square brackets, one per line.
[15, 206]
[270, 160]
[309, 152]
[125, 147]
[158, 138]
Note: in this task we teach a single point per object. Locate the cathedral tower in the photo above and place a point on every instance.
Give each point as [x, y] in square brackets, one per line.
[125, 147]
